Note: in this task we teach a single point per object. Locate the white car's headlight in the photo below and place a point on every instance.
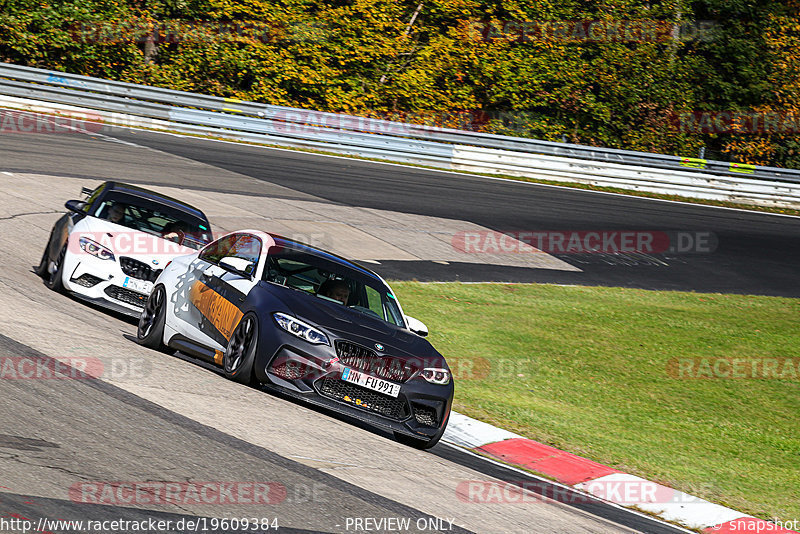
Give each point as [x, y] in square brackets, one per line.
[300, 329]
[436, 375]
[96, 249]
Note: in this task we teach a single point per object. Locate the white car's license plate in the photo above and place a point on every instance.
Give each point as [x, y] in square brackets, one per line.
[142, 286]
[371, 382]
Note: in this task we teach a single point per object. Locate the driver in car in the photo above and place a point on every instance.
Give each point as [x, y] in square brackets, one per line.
[116, 213]
[174, 231]
[336, 290]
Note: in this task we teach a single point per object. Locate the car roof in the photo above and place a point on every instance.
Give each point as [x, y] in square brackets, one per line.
[285, 242]
[152, 195]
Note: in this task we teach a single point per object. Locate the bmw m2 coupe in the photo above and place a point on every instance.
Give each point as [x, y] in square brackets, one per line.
[311, 324]
[110, 248]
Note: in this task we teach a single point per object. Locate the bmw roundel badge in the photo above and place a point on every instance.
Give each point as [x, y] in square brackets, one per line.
[378, 346]
[155, 262]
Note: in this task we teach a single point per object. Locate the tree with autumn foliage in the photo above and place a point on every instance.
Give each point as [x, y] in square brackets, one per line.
[492, 66]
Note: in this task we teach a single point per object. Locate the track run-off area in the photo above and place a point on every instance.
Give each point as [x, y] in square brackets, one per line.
[160, 419]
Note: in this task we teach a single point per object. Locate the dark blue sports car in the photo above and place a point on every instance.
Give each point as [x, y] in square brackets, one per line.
[311, 324]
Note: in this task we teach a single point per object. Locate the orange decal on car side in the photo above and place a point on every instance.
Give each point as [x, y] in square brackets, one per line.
[223, 314]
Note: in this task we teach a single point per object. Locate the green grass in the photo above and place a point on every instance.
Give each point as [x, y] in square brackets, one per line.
[585, 369]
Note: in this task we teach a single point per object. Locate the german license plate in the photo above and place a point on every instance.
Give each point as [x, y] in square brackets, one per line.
[371, 382]
[141, 286]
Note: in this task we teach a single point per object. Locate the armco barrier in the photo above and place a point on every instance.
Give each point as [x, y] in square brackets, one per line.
[655, 180]
[24, 87]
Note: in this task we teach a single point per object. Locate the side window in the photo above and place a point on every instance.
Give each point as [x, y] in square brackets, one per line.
[218, 249]
[374, 302]
[93, 197]
[247, 249]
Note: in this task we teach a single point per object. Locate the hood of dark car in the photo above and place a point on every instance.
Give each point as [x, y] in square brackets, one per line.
[352, 325]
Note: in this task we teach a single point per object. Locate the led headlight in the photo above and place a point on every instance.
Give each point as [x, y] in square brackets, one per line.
[96, 249]
[436, 375]
[300, 329]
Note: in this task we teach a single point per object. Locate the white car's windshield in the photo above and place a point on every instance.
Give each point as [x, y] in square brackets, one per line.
[153, 218]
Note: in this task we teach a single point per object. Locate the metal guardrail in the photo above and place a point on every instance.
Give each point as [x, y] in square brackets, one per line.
[677, 182]
[162, 103]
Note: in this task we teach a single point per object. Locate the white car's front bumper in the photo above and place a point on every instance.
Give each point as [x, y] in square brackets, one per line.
[104, 282]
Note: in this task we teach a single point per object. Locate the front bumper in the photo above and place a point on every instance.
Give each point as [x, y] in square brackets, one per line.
[312, 373]
[101, 282]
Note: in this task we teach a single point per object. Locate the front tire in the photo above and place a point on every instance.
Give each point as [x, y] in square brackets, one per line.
[150, 332]
[240, 354]
[54, 274]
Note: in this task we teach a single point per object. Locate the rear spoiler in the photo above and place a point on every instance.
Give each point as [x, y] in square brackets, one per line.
[85, 191]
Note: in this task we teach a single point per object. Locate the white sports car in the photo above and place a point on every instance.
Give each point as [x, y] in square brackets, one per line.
[110, 248]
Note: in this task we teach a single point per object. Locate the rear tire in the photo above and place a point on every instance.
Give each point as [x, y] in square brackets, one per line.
[55, 280]
[150, 332]
[41, 269]
[240, 354]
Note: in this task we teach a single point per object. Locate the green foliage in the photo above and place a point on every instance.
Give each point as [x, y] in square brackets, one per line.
[363, 57]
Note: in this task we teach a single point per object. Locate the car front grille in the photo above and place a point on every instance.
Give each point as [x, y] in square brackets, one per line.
[126, 295]
[138, 269]
[364, 398]
[364, 359]
[87, 280]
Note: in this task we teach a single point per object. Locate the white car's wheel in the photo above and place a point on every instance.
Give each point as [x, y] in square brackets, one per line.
[54, 272]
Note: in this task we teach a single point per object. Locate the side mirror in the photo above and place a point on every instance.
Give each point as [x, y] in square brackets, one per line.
[238, 265]
[75, 205]
[416, 326]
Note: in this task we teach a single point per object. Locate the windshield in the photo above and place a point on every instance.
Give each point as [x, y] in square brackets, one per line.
[332, 281]
[153, 218]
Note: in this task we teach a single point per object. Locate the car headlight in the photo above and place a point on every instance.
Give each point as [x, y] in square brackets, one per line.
[436, 375]
[300, 329]
[96, 249]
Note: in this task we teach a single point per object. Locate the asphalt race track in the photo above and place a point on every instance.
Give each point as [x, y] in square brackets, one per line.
[756, 253]
[151, 418]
